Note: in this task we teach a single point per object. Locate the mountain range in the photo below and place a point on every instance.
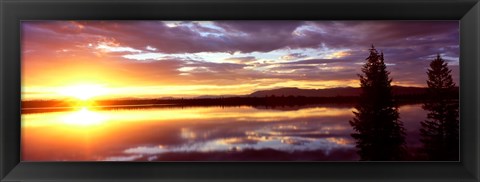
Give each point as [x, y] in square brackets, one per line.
[332, 92]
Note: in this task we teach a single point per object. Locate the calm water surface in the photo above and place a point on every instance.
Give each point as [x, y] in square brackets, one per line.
[199, 134]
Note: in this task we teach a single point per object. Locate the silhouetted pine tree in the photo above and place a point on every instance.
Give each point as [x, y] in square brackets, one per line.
[440, 130]
[378, 132]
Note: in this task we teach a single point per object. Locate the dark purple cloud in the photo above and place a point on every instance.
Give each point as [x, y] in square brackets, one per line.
[317, 61]
[260, 36]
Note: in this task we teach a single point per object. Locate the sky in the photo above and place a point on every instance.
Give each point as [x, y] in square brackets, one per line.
[146, 59]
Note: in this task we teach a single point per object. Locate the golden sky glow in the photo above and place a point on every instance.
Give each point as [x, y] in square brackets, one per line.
[83, 92]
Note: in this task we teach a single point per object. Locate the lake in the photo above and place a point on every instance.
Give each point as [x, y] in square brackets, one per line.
[244, 133]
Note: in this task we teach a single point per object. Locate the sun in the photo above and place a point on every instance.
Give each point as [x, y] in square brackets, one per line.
[83, 92]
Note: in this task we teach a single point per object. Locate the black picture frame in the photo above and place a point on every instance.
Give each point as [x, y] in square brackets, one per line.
[14, 11]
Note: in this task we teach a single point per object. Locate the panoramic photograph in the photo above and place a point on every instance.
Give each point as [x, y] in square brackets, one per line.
[243, 91]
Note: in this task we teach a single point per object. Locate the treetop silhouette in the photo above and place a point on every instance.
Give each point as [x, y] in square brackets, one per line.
[439, 131]
[378, 132]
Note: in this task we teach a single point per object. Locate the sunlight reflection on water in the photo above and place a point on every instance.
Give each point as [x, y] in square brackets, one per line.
[193, 133]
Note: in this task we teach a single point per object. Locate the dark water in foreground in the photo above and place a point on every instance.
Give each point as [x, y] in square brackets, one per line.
[243, 133]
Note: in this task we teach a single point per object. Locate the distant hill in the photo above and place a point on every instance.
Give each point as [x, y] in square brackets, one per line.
[332, 92]
[216, 96]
